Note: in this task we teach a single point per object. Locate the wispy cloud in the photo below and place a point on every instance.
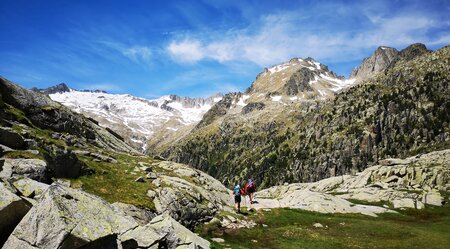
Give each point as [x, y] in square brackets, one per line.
[281, 36]
[138, 54]
[187, 50]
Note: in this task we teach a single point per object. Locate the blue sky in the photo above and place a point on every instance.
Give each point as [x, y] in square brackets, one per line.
[198, 48]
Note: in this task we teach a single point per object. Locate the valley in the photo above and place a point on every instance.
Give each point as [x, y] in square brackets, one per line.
[339, 163]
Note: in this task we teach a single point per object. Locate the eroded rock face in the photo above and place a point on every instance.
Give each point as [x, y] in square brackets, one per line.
[12, 210]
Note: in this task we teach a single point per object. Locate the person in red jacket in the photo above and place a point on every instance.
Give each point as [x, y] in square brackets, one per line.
[250, 188]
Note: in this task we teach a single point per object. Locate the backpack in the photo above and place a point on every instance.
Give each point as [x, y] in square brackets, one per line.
[250, 184]
[237, 190]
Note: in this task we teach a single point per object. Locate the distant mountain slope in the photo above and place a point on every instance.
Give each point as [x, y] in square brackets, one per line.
[135, 119]
[318, 130]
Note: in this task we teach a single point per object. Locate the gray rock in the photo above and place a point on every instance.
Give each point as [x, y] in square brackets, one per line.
[12, 210]
[433, 198]
[11, 138]
[404, 203]
[317, 225]
[64, 163]
[30, 188]
[140, 215]
[177, 235]
[151, 175]
[35, 169]
[143, 237]
[151, 194]
[70, 218]
[140, 179]
[218, 240]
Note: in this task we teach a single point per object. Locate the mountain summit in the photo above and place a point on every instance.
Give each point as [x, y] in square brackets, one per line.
[384, 57]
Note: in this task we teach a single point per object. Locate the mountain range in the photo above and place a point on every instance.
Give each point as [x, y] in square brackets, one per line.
[298, 121]
[136, 119]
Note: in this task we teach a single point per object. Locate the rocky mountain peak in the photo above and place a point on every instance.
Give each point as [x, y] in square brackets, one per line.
[377, 62]
[189, 102]
[60, 88]
[298, 77]
[413, 51]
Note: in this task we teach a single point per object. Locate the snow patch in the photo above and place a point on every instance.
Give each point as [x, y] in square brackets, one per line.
[322, 93]
[242, 100]
[338, 84]
[315, 80]
[276, 98]
[279, 68]
[136, 141]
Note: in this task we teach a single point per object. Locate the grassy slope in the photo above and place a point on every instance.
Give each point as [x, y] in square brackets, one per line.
[116, 182]
[287, 228]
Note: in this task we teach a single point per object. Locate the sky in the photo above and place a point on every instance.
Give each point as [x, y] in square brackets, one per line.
[199, 48]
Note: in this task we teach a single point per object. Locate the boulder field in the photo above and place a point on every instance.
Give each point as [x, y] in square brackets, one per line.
[413, 182]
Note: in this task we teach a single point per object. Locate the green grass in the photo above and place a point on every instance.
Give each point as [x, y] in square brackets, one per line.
[288, 228]
[22, 154]
[115, 182]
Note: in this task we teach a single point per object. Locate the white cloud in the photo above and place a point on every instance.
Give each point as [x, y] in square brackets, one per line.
[138, 53]
[280, 37]
[187, 50]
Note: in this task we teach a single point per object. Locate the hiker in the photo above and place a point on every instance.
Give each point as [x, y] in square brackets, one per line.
[250, 188]
[237, 192]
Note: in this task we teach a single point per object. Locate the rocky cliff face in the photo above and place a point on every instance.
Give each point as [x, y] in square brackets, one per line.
[377, 62]
[385, 57]
[400, 111]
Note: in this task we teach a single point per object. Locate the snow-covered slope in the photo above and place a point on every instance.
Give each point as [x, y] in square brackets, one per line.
[299, 79]
[137, 119]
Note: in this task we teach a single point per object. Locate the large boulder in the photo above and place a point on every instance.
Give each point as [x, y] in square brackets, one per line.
[11, 138]
[30, 188]
[35, 169]
[190, 198]
[141, 215]
[315, 201]
[70, 218]
[64, 163]
[163, 232]
[12, 210]
[177, 235]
